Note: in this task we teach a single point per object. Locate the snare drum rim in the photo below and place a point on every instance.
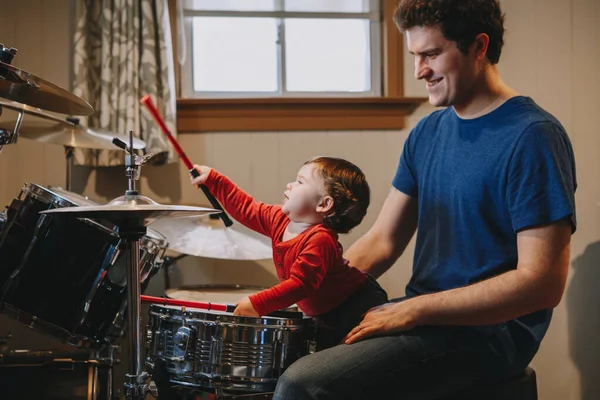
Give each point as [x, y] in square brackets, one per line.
[66, 193]
[200, 316]
[154, 240]
[46, 195]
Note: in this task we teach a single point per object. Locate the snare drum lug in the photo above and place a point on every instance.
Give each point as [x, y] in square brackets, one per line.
[278, 361]
[216, 350]
[181, 338]
[160, 345]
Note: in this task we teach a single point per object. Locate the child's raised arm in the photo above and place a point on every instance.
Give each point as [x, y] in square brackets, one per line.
[241, 206]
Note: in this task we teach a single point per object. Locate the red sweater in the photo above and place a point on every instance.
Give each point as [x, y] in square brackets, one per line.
[310, 267]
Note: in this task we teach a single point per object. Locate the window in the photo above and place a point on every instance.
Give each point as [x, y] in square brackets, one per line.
[281, 48]
[269, 81]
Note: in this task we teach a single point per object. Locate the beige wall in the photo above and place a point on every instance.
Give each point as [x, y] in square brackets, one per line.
[552, 53]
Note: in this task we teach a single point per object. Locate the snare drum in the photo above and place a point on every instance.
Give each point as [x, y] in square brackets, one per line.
[217, 349]
[62, 275]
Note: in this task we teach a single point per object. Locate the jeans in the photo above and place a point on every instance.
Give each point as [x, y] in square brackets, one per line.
[423, 363]
[334, 325]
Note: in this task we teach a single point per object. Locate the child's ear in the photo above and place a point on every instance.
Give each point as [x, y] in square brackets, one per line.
[325, 205]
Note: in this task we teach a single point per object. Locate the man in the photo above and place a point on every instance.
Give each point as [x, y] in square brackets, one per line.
[489, 181]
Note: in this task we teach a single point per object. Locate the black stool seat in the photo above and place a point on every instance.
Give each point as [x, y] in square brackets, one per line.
[521, 387]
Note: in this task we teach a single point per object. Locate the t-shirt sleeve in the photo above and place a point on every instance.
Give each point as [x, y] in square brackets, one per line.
[405, 179]
[541, 178]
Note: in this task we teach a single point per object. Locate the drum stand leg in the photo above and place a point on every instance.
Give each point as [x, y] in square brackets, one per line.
[136, 385]
[69, 161]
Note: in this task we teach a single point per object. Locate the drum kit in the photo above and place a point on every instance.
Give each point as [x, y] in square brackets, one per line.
[75, 270]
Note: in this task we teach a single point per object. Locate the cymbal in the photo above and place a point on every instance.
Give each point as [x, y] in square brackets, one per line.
[64, 133]
[23, 87]
[140, 213]
[106, 134]
[206, 237]
[53, 129]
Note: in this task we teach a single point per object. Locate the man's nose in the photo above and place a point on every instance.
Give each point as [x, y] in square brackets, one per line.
[422, 70]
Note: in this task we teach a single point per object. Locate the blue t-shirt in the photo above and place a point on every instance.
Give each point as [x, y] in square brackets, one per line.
[478, 182]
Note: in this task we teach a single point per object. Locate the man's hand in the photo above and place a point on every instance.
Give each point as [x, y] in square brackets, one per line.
[244, 307]
[384, 319]
[203, 170]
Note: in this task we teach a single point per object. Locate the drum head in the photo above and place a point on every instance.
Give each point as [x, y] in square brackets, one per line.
[226, 294]
[217, 293]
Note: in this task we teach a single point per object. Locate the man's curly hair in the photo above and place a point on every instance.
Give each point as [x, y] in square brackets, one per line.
[459, 20]
[348, 187]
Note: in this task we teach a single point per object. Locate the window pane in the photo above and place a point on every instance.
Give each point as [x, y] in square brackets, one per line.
[230, 5]
[235, 54]
[331, 5]
[327, 55]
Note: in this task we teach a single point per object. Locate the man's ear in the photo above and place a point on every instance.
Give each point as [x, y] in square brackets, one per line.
[325, 205]
[482, 41]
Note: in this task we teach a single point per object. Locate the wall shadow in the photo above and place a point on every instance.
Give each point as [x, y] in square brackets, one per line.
[164, 180]
[583, 303]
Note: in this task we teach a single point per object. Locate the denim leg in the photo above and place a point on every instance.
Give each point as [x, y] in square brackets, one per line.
[333, 326]
[422, 364]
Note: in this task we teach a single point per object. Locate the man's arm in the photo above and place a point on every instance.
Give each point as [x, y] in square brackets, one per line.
[537, 283]
[377, 250]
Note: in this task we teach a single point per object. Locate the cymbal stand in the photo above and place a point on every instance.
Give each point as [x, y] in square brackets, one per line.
[69, 150]
[136, 385]
[6, 137]
[131, 230]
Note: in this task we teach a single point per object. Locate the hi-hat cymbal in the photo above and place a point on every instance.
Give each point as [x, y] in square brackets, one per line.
[49, 128]
[206, 237]
[23, 87]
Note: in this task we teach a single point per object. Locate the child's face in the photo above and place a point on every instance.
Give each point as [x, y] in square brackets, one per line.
[304, 195]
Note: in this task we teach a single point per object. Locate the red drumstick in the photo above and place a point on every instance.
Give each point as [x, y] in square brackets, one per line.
[212, 306]
[147, 101]
[186, 303]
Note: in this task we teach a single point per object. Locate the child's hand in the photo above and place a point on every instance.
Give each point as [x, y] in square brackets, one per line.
[245, 307]
[203, 170]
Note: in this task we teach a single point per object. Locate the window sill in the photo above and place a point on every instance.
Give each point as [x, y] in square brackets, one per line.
[294, 114]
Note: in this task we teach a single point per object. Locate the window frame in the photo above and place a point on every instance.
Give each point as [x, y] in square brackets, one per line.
[375, 66]
[299, 112]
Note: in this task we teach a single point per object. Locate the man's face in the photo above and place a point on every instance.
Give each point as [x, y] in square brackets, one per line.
[449, 75]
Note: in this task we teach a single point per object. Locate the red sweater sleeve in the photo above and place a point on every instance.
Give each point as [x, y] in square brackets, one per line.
[241, 206]
[305, 276]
